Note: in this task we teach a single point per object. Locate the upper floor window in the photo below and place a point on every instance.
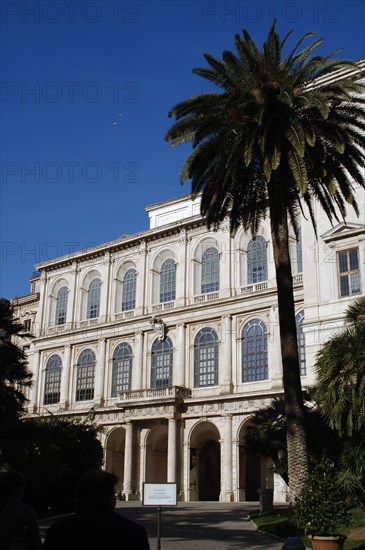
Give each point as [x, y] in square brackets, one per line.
[299, 251]
[210, 271]
[348, 272]
[122, 369]
[85, 375]
[93, 299]
[206, 358]
[254, 351]
[301, 342]
[61, 306]
[161, 374]
[27, 325]
[168, 281]
[52, 383]
[256, 260]
[129, 290]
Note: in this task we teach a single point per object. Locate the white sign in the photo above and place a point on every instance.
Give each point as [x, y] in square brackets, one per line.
[159, 494]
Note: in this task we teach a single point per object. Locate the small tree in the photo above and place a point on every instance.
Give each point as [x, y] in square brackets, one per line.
[321, 508]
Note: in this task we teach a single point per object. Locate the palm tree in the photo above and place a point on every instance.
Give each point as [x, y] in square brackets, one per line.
[268, 141]
[340, 369]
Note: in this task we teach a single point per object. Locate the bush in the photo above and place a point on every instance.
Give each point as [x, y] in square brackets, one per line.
[321, 508]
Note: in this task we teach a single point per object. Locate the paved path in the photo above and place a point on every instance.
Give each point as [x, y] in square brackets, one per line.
[201, 526]
[198, 526]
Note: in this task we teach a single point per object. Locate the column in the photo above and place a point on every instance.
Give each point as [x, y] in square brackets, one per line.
[34, 398]
[141, 280]
[104, 293]
[128, 458]
[65, 380]
[225, 262]
[274, 349]
[180, 363]
[100, 371]
[181, 270]
[227, 335]
[171, 451]
[227, 459]
[137, 365]
[40, 324]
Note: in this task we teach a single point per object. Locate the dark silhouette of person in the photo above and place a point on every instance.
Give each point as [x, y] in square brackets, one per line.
[95, 524]
[19, 527]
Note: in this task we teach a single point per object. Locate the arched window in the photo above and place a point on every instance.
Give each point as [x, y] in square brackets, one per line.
[299, 251]
[161, 372]
[129, 290]
[210, 271]
[61, 306]
[256, 260]
[85, 375]
[168, 281]
[254, 351]
[301, 342]
[122, 369]
[93, 299]
[206, 358]
[52, 383]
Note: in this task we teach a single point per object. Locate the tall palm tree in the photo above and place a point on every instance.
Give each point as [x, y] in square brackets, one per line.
[269, 140]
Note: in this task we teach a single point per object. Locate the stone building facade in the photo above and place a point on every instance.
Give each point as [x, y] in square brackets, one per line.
[169, 339]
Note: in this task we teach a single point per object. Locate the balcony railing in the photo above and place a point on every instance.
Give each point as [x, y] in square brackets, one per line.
[206, 297]
[153, 394]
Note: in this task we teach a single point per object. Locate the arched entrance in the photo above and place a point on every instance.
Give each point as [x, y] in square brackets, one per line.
[249, 470]
[156, 455]
[114, 456]
[205, 469]
[209, 471]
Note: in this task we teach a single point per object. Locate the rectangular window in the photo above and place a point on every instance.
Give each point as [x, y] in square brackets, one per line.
[348, 272]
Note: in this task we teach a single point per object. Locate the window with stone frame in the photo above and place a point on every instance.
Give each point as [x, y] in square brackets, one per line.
[162, 362]
[61, 306]
[206, 358]
[85, 375]
[122, 369]
[93, 299]
[210, 271]
[254, 351]
[129, 290]
[52, 382]
[168, 281]
[348, 269]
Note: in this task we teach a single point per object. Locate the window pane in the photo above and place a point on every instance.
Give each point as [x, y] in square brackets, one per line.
[301, 343]
[161, 375]
[254, 352]
[354, 262]
[93, 299]
[256, 261]
[210, 271]
[52, 383]
[349, 273]
[355, 283]
[167, 281]
[85, 376]
[61, 306]
[345, 289]
[343, 262]
[206, 358]
[129, 290]
[122, 367]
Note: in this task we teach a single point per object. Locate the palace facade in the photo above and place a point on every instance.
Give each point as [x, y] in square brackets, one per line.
[169, 339]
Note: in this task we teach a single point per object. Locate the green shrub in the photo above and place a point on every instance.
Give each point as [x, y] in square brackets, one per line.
[321, 508]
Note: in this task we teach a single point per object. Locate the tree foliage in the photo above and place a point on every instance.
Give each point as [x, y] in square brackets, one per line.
[14, 373]
[340, 370]
[53, 453]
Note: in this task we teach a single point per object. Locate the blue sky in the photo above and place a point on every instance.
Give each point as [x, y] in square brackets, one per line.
[86, 90]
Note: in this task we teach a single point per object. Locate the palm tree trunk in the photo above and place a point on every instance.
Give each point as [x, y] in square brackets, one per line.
[294, 411]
